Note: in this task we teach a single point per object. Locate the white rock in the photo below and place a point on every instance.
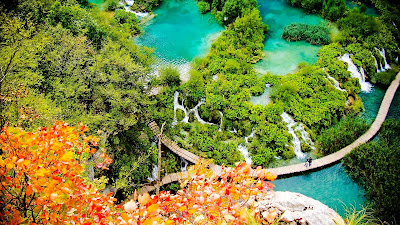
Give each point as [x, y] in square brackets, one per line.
[299, 208]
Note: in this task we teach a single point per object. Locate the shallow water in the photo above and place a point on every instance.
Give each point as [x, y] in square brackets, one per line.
[331, 186]
[180, 32]
[281, 56]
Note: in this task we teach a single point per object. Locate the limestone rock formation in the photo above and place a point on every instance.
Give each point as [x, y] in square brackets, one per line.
[294, 208]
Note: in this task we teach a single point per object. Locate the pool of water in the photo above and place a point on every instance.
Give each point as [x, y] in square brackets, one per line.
[179, 32]
[372, 101]
[281, 56]
[370, 9]
[394, 110]
[331, 186]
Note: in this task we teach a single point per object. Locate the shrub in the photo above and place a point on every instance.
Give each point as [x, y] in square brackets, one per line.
[170, 76]
[341, 135]
[204, 7]
[375, 165]
[314, 34]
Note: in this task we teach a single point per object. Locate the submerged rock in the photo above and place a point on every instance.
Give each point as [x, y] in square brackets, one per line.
[295, 208]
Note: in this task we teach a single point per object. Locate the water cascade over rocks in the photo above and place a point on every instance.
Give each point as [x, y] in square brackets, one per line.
[153, 174]
[383, 54]
[365, 86]
[378, 70]
[185, 165]
[128, 9]
[334, 82]
[243, 149]
[187, 112]
[292, 127]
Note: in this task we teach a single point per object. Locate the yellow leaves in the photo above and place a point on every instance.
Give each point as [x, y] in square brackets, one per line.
[152, 209]
[68, 156]
[42, 172]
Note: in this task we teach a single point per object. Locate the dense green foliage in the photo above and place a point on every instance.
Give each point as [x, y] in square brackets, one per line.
[340, 135]
[375, 165]
[204, 6]
[329, 9]
[310, 98]
[314, 34]
[226, 11]
[64, 62]
[169, 75]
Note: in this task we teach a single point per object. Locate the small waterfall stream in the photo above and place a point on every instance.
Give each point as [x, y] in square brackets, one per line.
[383, 54]
[335, 83]
[243, 148]
[153, 174]
[185, 165]
[290, 124]
[365, 86]
[194, 110]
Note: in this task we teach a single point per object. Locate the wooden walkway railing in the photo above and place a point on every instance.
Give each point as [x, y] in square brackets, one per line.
[291, 169]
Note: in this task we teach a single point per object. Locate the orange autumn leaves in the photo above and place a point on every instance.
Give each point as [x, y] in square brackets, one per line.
[40, 178]
[40, 182]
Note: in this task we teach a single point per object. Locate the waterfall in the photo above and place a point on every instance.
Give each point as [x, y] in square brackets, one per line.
[335, 83]
[220, 124]
[196, 113]
[128, 9]
[245, 152]
[378, 69]
[243, 149]
[184, 167]
[234, 131]
[304, 136]
[153, 174]
[181, 107]
[290, 123]
[187, 112]
[382, 52]
[365, 86]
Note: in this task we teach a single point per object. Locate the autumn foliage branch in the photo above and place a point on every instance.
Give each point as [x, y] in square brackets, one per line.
[41, 182]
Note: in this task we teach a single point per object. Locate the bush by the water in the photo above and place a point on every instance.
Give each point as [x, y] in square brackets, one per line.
[329, 9]
[170, 76]
[341, 135]
[204, 7]
[384, 78]
[376, 166]
[314, 34]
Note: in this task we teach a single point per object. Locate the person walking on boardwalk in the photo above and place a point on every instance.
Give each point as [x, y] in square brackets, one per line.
[309, 161]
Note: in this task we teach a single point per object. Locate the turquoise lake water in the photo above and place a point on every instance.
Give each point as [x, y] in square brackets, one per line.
[331, 186]
[180, 32]
[281, 56]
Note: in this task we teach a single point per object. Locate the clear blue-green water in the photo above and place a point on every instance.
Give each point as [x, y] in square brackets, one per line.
[331, 186]
[281, 56]
[179, 32]
[394, 110]
[370, 9]
[372, 101]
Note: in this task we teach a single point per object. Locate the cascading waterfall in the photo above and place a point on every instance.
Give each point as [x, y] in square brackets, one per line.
[187, 112]
[378, 69]
[365, 86]
[222, 117]
[181, 107]
[243, 149]
[153, 174]
[290, 123]
[335, 83]
[305, 136]
[185, 165]
[383, 54]
[128, 9]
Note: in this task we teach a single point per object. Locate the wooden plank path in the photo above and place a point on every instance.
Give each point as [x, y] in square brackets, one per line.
[285, 170]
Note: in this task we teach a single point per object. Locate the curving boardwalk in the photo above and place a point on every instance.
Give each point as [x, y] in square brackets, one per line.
[285, 170]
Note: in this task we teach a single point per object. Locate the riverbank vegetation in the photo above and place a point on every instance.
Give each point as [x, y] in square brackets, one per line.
[375, 166]
[314, 34]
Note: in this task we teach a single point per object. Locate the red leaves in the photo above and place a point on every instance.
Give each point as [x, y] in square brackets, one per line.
[44, 166]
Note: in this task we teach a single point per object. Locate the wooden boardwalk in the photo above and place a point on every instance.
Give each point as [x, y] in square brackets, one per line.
[285, 170]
